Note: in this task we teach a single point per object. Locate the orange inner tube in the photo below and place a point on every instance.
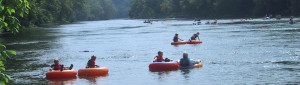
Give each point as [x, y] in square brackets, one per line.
[186, 42]
[61, 74]
[198, 65]
[194, 42]
[194, 66]
[179, 42]
[161, 66]
[93, 71]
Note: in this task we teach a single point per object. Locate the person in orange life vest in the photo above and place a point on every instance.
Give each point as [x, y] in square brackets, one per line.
[175, 39]
[196, 35]
[159, 58]
[91, 62]
[58, 66]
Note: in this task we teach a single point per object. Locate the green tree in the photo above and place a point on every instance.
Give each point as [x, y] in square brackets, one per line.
[67, 11]
[3, 55]
[10, 10]
[213, 8]
[123, 7]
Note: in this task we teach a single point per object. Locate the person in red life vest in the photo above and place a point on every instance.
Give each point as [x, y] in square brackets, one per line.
[58, 66]
[91, 62]
[159, 58]
[175, 39]
[196, 35]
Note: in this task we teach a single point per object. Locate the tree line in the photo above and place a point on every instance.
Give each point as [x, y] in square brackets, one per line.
[212, 8]
[67, 11]
[123, 7]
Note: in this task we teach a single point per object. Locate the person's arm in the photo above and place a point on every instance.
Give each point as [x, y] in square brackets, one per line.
[88, 64]
[180, 39]
[154, 59]
[51, 67]
[97, 66]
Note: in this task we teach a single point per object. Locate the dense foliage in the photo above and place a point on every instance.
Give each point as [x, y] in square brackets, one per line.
[123, 7]
[67, 11]
[212, 8]
[9, 11]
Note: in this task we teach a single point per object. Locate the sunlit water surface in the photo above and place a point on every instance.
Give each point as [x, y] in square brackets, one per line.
[255, 52]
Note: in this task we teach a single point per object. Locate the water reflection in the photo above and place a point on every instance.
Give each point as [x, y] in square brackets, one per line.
[163, 74]
[185, 73]
[92, 79]
[62, 81]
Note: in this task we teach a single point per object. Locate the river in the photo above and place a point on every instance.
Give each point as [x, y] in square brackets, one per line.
[254, 52]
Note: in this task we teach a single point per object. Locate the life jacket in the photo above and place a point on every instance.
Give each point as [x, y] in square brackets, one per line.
[196, 35]
[175, 39]
[56, 67]
[185, 62]
[193, 37]
[159, 59]
[91, 63]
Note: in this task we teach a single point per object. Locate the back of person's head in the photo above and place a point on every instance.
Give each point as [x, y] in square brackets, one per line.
[185, 55]
[176, 34]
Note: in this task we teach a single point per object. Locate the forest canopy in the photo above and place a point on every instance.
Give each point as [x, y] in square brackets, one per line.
[67, 11]
[212, 8]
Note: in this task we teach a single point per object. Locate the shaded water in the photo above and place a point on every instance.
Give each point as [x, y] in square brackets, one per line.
[232, 53]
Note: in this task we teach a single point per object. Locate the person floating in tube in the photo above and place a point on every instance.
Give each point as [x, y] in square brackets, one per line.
[59, 66]
[159, 57]
[196, 35]
[175, 39]
[185, 61]
[91, 62]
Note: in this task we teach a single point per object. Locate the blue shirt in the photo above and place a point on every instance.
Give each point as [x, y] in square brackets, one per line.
[184, 62]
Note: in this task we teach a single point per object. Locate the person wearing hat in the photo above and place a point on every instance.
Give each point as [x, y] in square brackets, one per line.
[175, 39]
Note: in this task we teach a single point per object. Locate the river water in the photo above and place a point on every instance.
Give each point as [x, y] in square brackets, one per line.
[254, 52]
